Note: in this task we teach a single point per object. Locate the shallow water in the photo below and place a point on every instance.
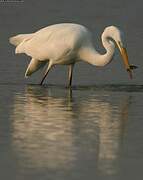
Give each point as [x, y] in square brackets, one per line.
[90, 132]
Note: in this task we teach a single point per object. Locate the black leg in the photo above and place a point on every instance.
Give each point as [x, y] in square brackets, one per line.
[46, 73]
[70, 74]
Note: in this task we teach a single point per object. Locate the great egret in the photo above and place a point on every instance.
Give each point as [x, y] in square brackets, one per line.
[66, 44]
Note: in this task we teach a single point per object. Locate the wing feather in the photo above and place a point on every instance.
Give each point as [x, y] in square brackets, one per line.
[33, 66]
[16, 40]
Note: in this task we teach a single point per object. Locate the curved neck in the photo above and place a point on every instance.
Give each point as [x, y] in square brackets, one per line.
[110, 49]
[90, 55]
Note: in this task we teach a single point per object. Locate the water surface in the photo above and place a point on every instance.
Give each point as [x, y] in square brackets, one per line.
[89, 132]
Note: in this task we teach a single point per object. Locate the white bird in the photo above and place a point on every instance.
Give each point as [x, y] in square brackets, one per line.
[66, 44]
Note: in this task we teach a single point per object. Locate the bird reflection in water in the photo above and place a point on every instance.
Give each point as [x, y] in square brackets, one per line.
[54, 131]
[111, 133]
[42, 129]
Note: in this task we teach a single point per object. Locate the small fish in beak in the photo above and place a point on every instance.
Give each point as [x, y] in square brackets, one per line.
[124, 54]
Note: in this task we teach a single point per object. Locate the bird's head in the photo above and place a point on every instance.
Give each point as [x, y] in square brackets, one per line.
[114, 34]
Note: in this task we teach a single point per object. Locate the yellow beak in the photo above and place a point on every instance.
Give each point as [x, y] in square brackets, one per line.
[124, 54]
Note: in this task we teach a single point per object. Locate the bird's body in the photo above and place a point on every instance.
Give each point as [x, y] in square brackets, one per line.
[57, 43]
[65, 44]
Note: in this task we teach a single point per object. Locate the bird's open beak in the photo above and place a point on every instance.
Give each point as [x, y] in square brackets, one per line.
[124, 54]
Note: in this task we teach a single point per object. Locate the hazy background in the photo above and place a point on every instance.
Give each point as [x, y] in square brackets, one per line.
[32, 15]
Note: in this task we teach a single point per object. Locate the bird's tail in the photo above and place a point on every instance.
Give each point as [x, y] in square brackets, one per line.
[16, 40]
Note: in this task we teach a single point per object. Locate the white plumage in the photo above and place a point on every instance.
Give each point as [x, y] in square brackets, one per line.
[67, 44]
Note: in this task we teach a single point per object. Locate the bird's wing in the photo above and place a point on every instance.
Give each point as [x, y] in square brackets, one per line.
[33, 66]
[16, 40]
